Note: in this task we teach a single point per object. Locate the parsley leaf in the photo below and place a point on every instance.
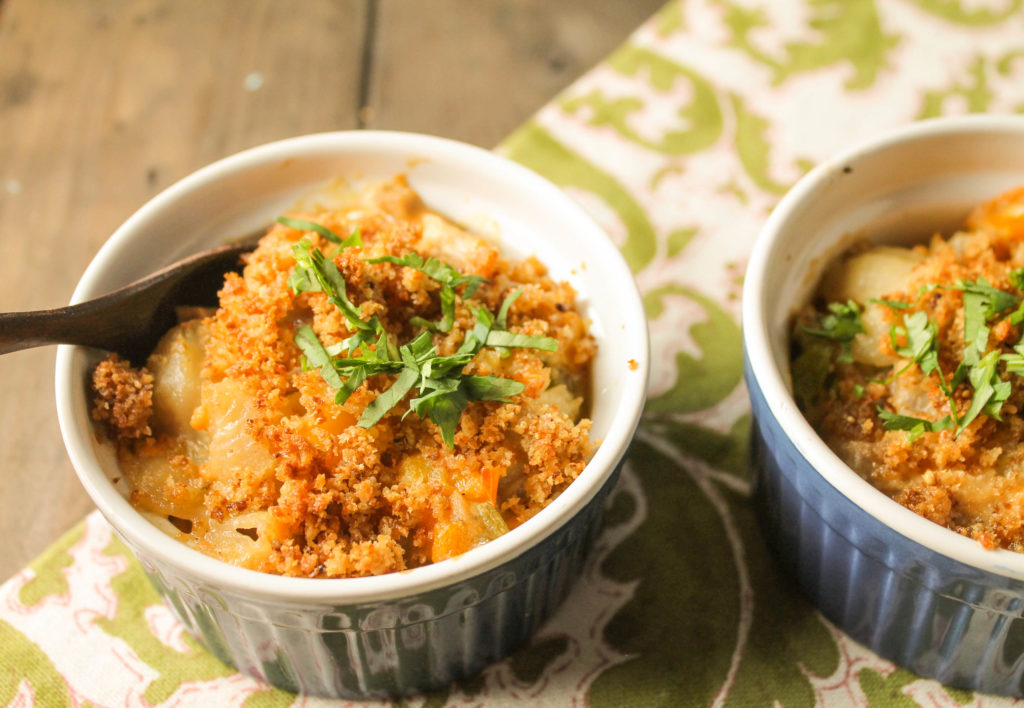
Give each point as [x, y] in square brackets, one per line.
[996, 300]
[842, 324]
[975, 327]
[915, 427]
[990, 391]
[316, 355]
[302, 225]
[1017, 278]
[441, 389]
[894, 304]
[979, 367]
[443, 273]
[1015, 361]
[920, 333]
[501, 322]
[314, 272]
[982, 302]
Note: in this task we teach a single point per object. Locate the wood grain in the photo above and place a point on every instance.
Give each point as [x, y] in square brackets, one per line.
[476, 70]
[105, 102]
[102, 104]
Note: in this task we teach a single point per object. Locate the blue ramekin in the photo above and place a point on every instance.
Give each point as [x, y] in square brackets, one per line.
[933, 601]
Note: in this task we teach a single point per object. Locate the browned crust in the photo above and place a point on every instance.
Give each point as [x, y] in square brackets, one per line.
[339, 503]
[123, 399]
[972, 483]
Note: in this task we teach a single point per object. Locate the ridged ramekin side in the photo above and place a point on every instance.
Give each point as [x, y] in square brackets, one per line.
[390, 648]
[934, 615]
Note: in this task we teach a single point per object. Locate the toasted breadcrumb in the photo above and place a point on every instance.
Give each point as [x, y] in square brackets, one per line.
[327, 497]
[971, 482]
[123, 398]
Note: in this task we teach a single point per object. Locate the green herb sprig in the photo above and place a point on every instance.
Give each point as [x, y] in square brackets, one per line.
[841, 325]
[447, 276]
[440, 388]
[302, 225]
[982, 303]
[915, 427]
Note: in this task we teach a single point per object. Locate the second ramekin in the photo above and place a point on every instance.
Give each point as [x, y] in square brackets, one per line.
[919, 594]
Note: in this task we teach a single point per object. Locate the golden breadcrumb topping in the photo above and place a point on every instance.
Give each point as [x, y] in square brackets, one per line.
[123, 398]
[926, 405]
[251, 459]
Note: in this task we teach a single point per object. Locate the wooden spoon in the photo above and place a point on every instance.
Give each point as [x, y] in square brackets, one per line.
[130, 320]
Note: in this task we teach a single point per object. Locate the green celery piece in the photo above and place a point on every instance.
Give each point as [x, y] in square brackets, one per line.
[811, 369]
[490, 518]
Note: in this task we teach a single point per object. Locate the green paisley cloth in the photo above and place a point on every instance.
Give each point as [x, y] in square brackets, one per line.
[679, 144]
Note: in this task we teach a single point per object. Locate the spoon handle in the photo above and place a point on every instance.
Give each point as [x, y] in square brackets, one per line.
[130, 320]
[98, 323]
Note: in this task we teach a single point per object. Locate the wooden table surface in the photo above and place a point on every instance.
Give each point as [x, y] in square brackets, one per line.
[103, 103]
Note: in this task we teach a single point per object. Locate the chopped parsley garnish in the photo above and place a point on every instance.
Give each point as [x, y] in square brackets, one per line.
[916, 340]
[842, 324]
[302, 225]
[982, 303]
[914, 426]
[989, 390]
[440, 390]
[894, 304]
[1015, 361]
[448, 277]
[1017, 278]
[920, 333]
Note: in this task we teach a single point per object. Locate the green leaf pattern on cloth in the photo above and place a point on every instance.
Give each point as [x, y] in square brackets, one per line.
[27, 673]
[680, 144]
[538, 150]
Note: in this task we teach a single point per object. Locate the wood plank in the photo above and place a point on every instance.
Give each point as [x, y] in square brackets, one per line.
[105, 102]
[475, 70]
[102, 104]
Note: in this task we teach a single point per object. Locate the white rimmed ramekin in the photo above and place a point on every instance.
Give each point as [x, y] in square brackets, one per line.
[923, 596]
[403, 632]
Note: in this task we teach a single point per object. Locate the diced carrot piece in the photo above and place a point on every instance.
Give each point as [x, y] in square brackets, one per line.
[491, 476]
[1004, 214]
[450, 540]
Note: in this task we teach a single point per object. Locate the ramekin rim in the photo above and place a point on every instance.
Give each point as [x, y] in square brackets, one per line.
[768, 375]
[474, 563]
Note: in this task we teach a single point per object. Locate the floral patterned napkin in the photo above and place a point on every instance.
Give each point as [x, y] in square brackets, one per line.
[679, 144]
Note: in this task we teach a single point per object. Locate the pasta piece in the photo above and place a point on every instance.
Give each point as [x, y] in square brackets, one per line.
[864, 277]
[176, 364]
